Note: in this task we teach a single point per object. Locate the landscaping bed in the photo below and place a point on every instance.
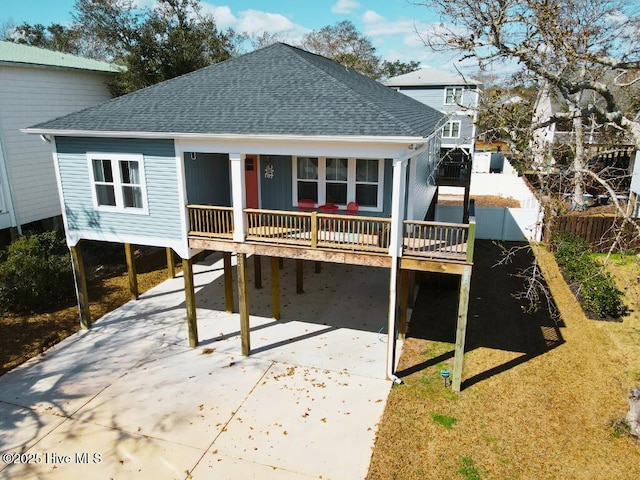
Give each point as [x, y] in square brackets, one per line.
[27, 335]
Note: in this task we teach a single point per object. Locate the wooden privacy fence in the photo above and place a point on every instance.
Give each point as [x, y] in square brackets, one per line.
[600, 231]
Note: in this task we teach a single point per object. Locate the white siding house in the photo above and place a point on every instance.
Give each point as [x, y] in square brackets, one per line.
[38, 85]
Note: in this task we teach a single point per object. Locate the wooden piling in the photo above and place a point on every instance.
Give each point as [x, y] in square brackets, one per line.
[275, 288]
[190, 301]
[228, 282]
[131, 270]
[80, 279]
[243, 300]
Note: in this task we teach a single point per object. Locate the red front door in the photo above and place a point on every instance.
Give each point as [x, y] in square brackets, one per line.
[251, 181]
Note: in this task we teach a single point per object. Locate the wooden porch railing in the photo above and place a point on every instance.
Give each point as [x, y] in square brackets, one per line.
[210, 221]
[437, 240]
[311, 229]
[429, 240]
[454, 171]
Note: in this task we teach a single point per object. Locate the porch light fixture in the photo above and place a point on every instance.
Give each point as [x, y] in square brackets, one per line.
[445, 374]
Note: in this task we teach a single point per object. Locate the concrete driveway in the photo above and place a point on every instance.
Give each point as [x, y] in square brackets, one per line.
[129, 399]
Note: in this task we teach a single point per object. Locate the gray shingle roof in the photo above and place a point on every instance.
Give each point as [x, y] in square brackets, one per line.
[428, 76]
[278, 90]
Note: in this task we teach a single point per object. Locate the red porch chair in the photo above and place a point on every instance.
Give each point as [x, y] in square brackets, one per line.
[352, 208]
[306, 205]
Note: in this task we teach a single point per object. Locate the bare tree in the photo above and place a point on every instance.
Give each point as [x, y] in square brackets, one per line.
[585, 53]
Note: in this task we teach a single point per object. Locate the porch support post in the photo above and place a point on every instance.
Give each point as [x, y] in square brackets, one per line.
[395, 251]
[228, 282]
[80, 280]
[275, 288]
[299, 275]
[412, 289]
[404, 301]
[171, 263]
[243, 300]
[131, 269]
[257, 270]
[318, 267]
[238, 196]
[190, 301]
[465, 211]
[461, 330]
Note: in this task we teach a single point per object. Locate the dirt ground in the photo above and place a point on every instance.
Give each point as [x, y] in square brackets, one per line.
[541, 398]
[25, 336]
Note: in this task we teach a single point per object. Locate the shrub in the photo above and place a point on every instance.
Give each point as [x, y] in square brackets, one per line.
[598, 293]
[35, 273]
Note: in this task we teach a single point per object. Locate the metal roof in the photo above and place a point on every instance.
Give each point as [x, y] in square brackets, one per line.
[17, 53]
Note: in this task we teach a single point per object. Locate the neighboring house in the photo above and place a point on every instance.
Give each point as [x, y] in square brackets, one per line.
[38, 85]
[233, 157]
[457, 98]
[452, 94]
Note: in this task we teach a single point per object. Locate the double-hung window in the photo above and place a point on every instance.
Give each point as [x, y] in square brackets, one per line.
[453, 95]
[451, 129]
[339, 181]
[118, 182]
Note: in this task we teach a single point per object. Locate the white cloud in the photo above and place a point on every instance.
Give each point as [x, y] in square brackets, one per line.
[344, 6]
[254, 21]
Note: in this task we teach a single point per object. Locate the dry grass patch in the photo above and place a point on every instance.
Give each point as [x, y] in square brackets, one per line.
[540, 398]
[25, 336]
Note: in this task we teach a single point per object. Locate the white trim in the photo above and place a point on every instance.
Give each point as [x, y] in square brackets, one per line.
[5, 189]
[182, 194]
[115, 159]
[56, 168]
[450, 124]
[225, 136]
[351, 181]
[74, 236]
[455, 89]
[238, 195]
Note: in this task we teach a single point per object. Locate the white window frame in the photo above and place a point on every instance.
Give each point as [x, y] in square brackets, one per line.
[115, 159]
[447, 130]
[457, 92]
[351, 182]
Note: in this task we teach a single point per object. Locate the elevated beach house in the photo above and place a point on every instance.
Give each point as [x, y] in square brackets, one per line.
[278, 153]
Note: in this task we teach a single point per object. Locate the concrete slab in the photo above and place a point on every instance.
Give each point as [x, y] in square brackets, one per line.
[79, 450]
[305, 404]
[308, 421]
[186, 399]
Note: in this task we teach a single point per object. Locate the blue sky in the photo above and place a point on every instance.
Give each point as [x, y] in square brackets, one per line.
[390, 24]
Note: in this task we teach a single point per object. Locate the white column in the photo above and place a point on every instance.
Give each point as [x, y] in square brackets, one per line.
[238, 196]
[397, 206]
[395, 251]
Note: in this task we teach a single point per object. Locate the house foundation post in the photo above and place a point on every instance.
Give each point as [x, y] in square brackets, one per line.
[171, 264]
[131, 270]
[461, 329]
[228, 282]
[80, 279]
[275, 288]
[299, 276]
[190, 301]
[257, 270]
[243, 301]
[404, 303]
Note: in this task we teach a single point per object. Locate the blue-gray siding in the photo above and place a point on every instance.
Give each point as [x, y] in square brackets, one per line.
[276, 192]
[434, 97]
[163, 220]
[424, 184]
[207, 179]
